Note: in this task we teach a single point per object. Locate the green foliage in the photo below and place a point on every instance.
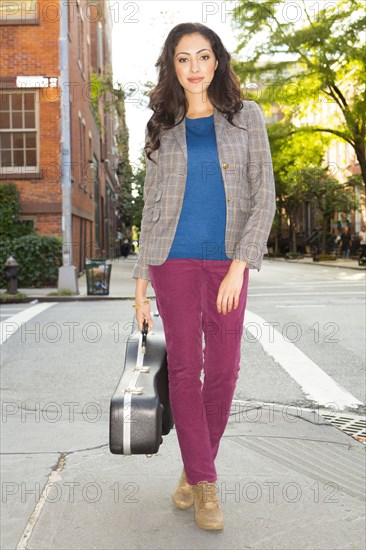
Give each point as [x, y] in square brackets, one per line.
[324, 258]
[108, 95]
[64, 292]
[12, 298]
[96, 91]
[39, 258]
[11, 225]
[292, 152]
[316, 186]
[104, 90]
[308, 54]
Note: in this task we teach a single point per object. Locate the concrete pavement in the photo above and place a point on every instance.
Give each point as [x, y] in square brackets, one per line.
[287, 477]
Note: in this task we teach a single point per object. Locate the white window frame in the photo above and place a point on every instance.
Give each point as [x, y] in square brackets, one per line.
[24, 170]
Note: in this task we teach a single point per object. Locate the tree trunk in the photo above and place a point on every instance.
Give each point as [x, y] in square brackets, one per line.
[276, 243]
[361, 157]
[293, 234]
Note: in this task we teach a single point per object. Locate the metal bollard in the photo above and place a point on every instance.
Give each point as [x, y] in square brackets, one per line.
[10, 273]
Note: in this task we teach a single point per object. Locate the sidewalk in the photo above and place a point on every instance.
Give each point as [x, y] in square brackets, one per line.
[287, 479]
[122, 285]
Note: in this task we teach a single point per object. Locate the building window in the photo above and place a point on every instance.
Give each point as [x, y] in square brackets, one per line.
[80, 31]
[90, 160]
[100, 46]
[19, 123]
[18, 12]
[82, 174]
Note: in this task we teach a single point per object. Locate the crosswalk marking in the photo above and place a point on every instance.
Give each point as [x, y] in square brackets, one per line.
[315, 383]
[12, 324]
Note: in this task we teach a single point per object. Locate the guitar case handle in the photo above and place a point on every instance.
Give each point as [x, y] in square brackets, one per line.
[144, 331]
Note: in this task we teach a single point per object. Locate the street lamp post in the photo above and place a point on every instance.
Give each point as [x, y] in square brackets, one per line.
[67, 276]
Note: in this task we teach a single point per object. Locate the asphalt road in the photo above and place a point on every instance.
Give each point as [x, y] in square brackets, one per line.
[318, 311]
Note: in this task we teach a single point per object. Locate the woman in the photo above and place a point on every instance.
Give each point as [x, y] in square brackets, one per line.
[209, 203]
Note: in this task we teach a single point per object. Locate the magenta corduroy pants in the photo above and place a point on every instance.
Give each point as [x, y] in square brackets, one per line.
[186, 292]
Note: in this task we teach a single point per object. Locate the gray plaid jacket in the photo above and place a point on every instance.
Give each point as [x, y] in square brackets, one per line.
[247, 171]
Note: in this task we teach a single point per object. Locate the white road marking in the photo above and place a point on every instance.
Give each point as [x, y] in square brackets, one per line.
[11, 308]
[315, 383]
[303, 305]
[12, 324]
[309, 294]
[308, 286]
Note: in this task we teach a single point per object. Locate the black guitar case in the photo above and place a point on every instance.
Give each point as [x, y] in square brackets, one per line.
[140, 412]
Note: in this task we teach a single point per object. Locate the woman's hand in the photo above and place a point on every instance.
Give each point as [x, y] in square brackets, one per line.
[143, 312]
[230, 288]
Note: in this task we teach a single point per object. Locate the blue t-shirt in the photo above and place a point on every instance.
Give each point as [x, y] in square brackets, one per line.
[201, 226]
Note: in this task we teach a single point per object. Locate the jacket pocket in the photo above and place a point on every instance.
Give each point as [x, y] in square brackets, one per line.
[156, 212]
[158, 194]
[245, 204]
[157, 205]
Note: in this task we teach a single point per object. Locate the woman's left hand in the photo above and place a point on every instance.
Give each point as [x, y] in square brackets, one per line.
[229, 290]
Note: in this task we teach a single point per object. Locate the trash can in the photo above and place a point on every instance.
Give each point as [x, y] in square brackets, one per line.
[98, 275]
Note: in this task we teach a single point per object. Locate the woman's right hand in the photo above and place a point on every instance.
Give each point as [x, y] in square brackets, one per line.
[143, 312]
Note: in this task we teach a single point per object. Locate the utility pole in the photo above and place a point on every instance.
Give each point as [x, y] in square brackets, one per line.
[67, 276]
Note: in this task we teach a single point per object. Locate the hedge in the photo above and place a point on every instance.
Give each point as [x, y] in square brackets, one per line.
[39, 258]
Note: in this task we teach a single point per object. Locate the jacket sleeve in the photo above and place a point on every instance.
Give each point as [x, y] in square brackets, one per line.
[141, 270]
[260, 190]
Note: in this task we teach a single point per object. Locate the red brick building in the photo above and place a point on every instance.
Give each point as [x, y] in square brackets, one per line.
[30, 130]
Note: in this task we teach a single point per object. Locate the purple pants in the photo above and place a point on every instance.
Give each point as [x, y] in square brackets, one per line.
[186, 292]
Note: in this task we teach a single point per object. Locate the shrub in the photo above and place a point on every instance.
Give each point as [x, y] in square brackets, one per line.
[327, 257]
[12, 298]
[39, 258]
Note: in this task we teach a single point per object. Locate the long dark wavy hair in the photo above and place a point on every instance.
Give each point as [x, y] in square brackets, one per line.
[168, 99]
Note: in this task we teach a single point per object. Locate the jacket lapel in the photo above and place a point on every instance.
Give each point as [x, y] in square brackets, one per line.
[179, 131]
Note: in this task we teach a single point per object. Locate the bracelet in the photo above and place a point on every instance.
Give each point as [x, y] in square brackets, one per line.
[147, 301]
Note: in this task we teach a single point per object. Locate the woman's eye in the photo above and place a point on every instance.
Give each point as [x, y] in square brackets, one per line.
[185, 59]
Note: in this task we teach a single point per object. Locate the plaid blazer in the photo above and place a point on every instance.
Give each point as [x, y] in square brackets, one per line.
[246, 166]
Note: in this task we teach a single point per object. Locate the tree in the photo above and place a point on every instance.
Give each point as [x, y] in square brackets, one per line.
[327, 194]
[308, 54]
[291, 153]
[139, 180]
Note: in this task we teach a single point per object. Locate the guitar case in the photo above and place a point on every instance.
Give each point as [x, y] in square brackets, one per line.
[140, 412]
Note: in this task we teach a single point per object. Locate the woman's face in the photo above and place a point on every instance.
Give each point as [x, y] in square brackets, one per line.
[194, 59]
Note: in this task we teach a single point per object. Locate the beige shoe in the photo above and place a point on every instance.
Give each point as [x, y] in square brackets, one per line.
[183, 494]
[207, 511]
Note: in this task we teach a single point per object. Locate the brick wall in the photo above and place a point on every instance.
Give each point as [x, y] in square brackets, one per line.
[33, 50]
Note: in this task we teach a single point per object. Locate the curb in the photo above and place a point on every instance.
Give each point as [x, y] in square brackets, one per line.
[324, 264]
[75, 298]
